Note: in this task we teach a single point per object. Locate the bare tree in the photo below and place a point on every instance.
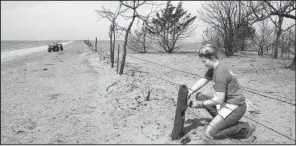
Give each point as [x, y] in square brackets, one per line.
[284, 44]
[133, 6]
[114, 28]
[282, 9]
[278, 35]
[140, 41]
[171, 25]
[213, 37]
[231, 19]
[263, 37]
[291, 46]
[287, 42]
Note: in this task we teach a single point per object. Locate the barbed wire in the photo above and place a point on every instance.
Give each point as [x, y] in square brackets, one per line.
[193, 74]
[229, 108]
[209, 79]
[187, 109]
[266, 92]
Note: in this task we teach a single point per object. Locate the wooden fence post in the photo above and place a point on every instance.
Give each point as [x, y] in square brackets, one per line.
[96, 46]
[117, 58]
[177, 132]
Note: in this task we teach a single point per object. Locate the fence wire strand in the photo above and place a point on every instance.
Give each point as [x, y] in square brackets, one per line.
[266, 92]
[209, 78]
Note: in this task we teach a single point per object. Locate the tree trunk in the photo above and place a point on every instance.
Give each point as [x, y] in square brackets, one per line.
[260, 52]
[113, 48]
[117, 58]
[144, 37]
[282, 52]
[288, 55]
[292, 65]
[96, 45]
[239, 12]
[229, 47]
[283, 48]
[122, 64]
[144, 43]
[243, 41]
[231, 34]
[287, 52]
[111, 38]
[278, 35]
[125, 44]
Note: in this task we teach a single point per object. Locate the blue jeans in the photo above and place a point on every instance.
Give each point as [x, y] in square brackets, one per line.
[228, 127]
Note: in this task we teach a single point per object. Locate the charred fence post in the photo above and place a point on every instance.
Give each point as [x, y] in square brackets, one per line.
[177, 132]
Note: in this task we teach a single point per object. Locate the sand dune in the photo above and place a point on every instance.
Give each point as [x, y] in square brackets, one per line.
[10, 55]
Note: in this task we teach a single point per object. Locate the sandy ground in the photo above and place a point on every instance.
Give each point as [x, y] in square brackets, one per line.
[73, 97]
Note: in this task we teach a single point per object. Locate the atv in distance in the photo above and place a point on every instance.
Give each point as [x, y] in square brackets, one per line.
[55, 47]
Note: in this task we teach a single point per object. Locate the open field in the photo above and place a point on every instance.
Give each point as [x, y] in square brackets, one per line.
[73, 97]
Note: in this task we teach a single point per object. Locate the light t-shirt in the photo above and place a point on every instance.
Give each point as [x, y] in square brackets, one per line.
[225, 81]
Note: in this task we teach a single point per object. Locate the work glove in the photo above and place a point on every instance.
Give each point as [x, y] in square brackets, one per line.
[195, 104]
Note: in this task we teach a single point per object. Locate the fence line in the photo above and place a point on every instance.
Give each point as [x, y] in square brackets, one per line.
[194, 75]
[229, 108]
[203, 77]
[243, 88]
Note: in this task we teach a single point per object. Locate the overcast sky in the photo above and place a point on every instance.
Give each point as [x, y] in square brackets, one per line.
[70, 20]
[64, 20]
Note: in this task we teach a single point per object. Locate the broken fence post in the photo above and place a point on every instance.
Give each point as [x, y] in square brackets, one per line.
[177, 132]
